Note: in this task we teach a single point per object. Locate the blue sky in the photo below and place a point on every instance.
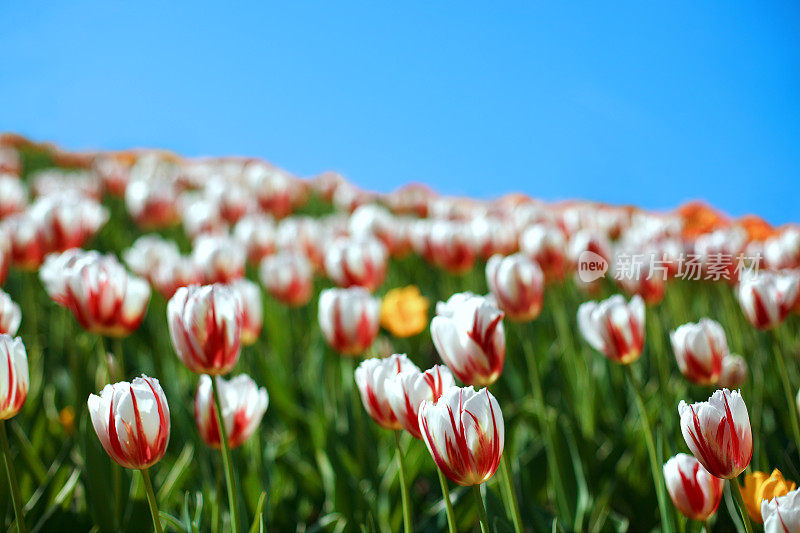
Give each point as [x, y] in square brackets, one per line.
[631, 103]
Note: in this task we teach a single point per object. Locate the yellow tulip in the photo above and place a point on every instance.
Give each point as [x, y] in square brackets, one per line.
[404, 311]
[759, 486]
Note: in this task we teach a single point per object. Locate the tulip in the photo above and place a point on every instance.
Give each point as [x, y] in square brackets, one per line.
[14, 379]
[464, 433]
[104, 298]
[243, 407]
[200, 215]
[233, 201]
[517, 284]
[132, 421]
[783, 250]
[469, 336]
[372, 378]
[277, 191]
[760, 487]
[5, 254]
[404, 311]
[349, 319]
[694, 491]
[493, 236]
[153, 204]
[219, 258]
[546, 245]
[301, 234]
[614, 327]
[256, 232]
[10, 315]
[289, 277]
[406, 390]
[148, 253]
[13, 195]
[644, 280]
[700, 349]
[14, 382]
[205, 325]
[448, 244]
[173, 273]
[734, 371]
[782, 514]
[766, 298]
[718, 433]
[586, 240]
[249, 297]
[357, 262]
[375, 221]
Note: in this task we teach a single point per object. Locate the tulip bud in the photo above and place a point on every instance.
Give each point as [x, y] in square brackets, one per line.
[767, 297]
[372, 378]
[132, 421]
[782, 514]
[407, 390]
[718, 433]
[349, 319]
[219, 258]
[14, 379]
[465, 434]
[10, 315]
[760, 487]
[205, 324]
[694, 491]
[289, 277]
[614, 327]
[700, 349]
[243, 407]
[104, 298]
[734, 371]
[362, 263]
[249, 297]
[469, 336]
[517, 284]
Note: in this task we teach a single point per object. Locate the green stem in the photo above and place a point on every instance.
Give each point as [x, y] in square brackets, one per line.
[787, 390]
[403, 485]
[151, 499]
[476, 491]
[655, 468]
[740, 502]
[510, 494]
[226, 457]
[451, 519]
[12, 478]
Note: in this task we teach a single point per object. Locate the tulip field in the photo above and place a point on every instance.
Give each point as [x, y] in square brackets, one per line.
[214, 344]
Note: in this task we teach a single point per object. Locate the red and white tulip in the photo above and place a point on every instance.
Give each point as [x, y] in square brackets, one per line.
[700, 349]
[517, 284]
[407, 390]
[14, 378]
[614, 327]
[373, 377]
[349, 319]
[243, 407]
[694, 491]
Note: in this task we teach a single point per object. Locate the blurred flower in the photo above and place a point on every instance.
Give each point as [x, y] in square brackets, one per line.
[10, 315]
[694, 491]
[447, 244]
[408, 389]
[289, 277]
[412, 198]
[700, 349]
[243, 406]
[546, 244]
[469, 336]
[782, 514]
[233, 200]
[104, 298]
[783, 250]
[643, 280]
[172, 273]
[114, 170]
[734, 371]
[249, 297]
[277, 191]
[404, 311]
[205, 325]
[767, 297]
[200, 215]
[148, 252]
[465, 434]
[132, 421]
[718, 433]
[153, 204]
[349, 319]
[5, 254]
[14, 379]
[586, 240]
[517, 284]
[256, 232]
[66, 417]
[13, 195]
[493, 236]
[57, 181]
[759, 487]
[372, 378]
[719, 251]
[357, 262]
[219, 258]
[614, 327]
[372, 220]
[301, 234]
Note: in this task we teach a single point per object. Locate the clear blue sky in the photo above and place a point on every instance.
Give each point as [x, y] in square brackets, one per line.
[635, 103]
